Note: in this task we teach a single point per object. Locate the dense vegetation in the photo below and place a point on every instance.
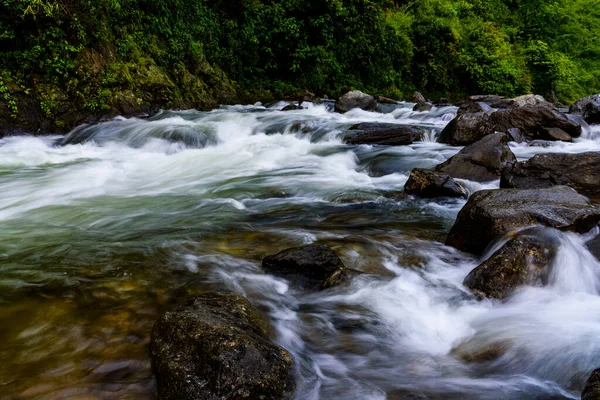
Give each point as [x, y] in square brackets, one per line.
[98, 56]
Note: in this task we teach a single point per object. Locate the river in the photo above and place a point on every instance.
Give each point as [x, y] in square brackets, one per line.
[106, 228]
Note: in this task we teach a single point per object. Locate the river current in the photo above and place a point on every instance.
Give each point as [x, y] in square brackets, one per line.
[108, 227]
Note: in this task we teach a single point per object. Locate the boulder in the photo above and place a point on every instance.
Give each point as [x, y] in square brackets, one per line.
[530, 100]
[494, 101]
[427, 183]
[589, 108]
[214, 348]
[383, 134]
[355, 99]
[532, 121]
[386, 100]
[554, 134]
[515, 135]
[417, 97]
[466, 129]
[310, 267]
[472, 107]
[489, 214]
[591, 391]
[483, 161]
[523, 260]
[423, 106]
[580, 171]
[441, 102]
[591, 112]
[291, 107]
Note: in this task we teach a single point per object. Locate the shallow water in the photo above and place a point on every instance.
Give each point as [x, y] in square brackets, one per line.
[106, 228]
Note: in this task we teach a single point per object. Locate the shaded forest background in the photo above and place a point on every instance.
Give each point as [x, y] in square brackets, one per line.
[102, 56]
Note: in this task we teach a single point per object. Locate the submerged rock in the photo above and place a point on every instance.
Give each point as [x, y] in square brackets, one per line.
[523, 260]
[383, 134]
[489, 214]
[311, 267]
[483, 161]
[213, 348]
[591, 391]
[580, 171]
[427, 183]
[534, 122]
[355, 99]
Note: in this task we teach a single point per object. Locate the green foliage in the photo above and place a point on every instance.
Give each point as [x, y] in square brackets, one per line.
[97, 53]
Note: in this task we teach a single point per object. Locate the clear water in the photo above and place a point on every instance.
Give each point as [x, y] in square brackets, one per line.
[106, 228]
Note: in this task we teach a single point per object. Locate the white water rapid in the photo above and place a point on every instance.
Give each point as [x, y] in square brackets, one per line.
[105, 228]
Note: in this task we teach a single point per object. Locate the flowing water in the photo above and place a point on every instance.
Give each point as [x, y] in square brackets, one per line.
[108, 227]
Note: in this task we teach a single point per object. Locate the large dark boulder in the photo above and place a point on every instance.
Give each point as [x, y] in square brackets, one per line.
[213, 348]
[310, 267]
[483, 161]
[523, 260]
[472, 107]
[489, 214]
[591, 391]
[589, 108]
[466, 129]
[355, 99]
[532, 121]
[383, 134]
[428, 183]
[579, 171]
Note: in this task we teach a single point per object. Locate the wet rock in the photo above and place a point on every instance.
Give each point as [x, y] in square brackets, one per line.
[423, 106]
[441, 102]
[580, 171]
[554, 134]
[483, 161]
[472, 107]
[311, 267]
[532, 121]
[591, 112]
[355, 99]
[515, 135]
[523, 260]
[417, 97]
[383, 134]
[494, 101]
[213, 348]
[489, 214]
[291, 107]
[386, 100]
[589, 108]
[427, 183]
[591, 391]
[466, 129]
